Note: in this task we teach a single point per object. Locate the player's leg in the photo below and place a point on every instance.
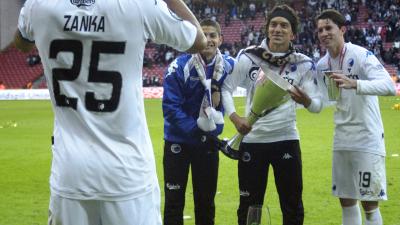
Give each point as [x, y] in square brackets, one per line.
[373, 182]
[253, 175]
[204, 177]
[372, 213]
[343, 187]
[176, 170]
[64, 211]
[144, 210]
[351, 214]
[286, 161]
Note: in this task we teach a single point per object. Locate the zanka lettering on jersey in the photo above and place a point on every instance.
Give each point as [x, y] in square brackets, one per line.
[84, 23]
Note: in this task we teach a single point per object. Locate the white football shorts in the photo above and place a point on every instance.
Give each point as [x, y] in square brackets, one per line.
[144, 210]
[359, 175]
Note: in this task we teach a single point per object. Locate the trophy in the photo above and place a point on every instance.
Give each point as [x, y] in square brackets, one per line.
[331, 86]
[271, 91]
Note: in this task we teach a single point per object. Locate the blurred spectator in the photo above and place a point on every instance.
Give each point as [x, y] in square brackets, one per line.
[33, 60]
[227, 19]
[394, 78]
[252, 10]
[28, 85]
[348, 18]
[2, 85]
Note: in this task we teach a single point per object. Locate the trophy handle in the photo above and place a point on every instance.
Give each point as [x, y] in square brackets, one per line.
[234, 142]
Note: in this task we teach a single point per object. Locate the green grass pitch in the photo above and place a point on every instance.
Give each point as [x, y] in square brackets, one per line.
[25, 156]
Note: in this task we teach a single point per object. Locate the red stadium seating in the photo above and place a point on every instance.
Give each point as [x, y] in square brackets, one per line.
[15, 71]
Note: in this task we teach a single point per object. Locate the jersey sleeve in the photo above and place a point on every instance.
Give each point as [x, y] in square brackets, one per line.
[173, 99]
[165, 27]
[233, 80]
[24, 21]
[378, 80]
[311, 85]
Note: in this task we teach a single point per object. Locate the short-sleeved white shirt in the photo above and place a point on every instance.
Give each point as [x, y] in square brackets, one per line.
[92, 54]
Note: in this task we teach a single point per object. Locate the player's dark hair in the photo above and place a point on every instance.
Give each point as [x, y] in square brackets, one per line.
[332, 14]
[211, 23]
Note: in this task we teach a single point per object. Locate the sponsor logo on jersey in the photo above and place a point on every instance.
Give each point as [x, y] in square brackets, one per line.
[172, 68]
[364, 191]
[353, 76]
[176, 148]
[244, 193]
[172, 186]
[290, 80]
[287, 156]
[80, 3]
[246, 157]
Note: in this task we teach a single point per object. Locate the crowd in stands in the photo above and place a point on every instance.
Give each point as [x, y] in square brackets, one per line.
[381, 25]
[151, 80]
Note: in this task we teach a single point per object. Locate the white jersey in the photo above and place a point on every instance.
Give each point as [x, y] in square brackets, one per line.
[280, 124]
[92, 54]
[358, 123]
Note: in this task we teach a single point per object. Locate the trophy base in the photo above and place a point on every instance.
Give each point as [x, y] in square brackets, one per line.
[228, 151]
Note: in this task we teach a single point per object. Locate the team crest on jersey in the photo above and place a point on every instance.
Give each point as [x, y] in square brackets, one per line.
[80, 3]
[350, 62]
[293, 67]
[253, 73]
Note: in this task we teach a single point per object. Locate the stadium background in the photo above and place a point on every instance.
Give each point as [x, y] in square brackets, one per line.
[374, 24]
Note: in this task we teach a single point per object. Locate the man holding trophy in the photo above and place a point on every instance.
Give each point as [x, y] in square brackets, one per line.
[270, 135]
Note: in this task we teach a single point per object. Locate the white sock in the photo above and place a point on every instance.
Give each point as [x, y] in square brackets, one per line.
[351, 215]
[373, 217]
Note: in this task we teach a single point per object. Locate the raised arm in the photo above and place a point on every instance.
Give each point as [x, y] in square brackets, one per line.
[181, 10]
